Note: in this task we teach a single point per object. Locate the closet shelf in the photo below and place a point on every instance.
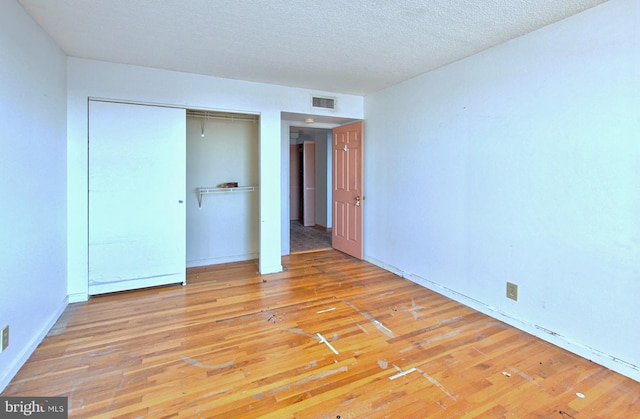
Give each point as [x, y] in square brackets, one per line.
[217, 190]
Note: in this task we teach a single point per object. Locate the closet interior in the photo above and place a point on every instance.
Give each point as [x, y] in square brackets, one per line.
[222, 184]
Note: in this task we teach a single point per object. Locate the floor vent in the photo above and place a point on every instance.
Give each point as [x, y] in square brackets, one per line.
[323, 102]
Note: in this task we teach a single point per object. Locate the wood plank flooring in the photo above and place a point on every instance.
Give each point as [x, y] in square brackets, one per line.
[234, 344]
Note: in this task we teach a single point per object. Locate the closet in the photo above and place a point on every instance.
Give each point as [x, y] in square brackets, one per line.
[222, 187]
[169, 188]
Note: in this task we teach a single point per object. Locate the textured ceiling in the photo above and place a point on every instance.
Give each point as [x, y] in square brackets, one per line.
[356, 46]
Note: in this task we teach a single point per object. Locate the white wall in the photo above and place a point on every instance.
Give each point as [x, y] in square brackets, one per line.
[329, 185]
[88, 78]
[521, 164]
[285, 234]
[323, 179]
[33, 286]
[225, 228]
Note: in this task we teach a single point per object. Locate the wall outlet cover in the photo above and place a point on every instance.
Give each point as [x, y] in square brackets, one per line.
[512, 291]
[4, 340]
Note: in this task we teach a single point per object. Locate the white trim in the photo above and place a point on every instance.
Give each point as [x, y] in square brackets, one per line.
[225, 259]
[96, 288]
[273, 269]
[78, 297]
[31, 346]
[592, 354]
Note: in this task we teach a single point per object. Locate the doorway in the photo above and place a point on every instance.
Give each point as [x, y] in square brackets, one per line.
[310, 189]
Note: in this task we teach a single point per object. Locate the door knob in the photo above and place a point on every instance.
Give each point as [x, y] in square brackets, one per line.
[357, 200]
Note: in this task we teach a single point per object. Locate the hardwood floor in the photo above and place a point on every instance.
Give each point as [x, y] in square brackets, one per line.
[234, 344]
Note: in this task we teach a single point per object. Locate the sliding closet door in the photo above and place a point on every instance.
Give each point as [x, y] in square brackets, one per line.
[136, 196]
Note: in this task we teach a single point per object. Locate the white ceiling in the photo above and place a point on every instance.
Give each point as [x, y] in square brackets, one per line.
[355, 46]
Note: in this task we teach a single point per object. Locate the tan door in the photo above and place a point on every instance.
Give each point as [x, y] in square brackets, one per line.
[347, 189]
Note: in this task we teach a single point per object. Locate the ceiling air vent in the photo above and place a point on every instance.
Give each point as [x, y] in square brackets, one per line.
[323, 102]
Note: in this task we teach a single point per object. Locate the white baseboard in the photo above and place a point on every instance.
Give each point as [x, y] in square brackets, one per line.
[273, 269]
[224, 259]
[625, 368]
[31, 346]
[78, 298]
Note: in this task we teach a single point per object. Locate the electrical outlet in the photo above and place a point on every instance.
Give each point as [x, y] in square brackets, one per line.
[512, 291]
[4, 338]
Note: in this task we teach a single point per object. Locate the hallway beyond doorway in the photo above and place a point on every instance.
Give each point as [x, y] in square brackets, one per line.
[304, 239]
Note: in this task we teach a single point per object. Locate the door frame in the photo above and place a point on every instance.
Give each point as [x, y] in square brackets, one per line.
[286, 126]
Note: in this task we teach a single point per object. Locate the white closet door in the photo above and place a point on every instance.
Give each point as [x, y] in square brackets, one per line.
[137, 170]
